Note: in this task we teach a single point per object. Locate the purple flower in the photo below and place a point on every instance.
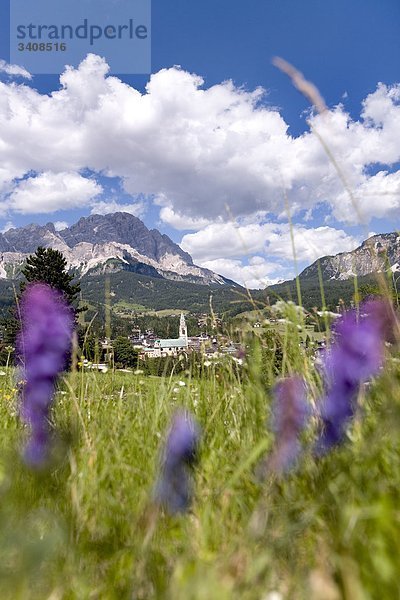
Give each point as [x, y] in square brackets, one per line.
[355, 356]
[174, 487]
[43, 345]
[382, 312]
[359, 341]
[290, 412]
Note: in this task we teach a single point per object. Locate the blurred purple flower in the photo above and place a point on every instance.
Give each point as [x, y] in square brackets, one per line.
[383, 313]
[290, 411]
[174, 487]
[43, 346]
[356, 355]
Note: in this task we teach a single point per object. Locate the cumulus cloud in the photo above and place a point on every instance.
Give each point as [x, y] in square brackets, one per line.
[233, 240]
[256, 275]
[377, 196]
[49, 192]
[201, 149]
[181, 222]
[218, 162]
[221, 247]
[14, 70]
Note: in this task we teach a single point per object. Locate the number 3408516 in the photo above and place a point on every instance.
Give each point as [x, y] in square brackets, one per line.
[42, 47]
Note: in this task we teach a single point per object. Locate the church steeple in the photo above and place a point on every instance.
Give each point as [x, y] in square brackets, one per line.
[183, 328]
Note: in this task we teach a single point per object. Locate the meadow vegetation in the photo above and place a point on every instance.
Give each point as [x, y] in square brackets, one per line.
[87, 527]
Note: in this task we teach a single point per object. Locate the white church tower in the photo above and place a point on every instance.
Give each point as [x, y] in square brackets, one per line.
[183, 329]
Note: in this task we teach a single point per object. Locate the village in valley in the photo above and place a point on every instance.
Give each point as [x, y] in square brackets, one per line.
[216, 339]
[149, 346]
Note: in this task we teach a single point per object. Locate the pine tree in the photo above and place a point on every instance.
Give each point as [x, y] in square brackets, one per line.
[47, 266]
[50, 266]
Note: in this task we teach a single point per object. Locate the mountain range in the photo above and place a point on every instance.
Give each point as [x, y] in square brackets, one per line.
[148, 269]
[104, 244]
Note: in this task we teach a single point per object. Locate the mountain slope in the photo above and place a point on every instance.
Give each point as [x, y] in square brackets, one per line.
[375, 254]
[105, 243]
[158, 293]
[378, 253]
[152, 293]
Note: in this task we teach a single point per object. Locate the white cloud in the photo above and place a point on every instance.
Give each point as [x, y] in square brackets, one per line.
[112, 206]
[14, 70]
[225, 240]
[311, 243]
[9, 225]
[49, 192]
[182, 222]
[233, 240]
[377, 196]
[252, 276]
[60, 225]
[200, 149]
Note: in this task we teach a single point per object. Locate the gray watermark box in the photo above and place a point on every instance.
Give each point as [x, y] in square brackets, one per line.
[46, 35]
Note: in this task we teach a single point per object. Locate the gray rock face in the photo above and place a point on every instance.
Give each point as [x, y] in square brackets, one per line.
[122, 228]
[27, 239]
[378, 253]
[102, 243]
[4, 245]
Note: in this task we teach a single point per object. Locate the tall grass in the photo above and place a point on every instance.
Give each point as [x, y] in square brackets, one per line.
[87, 528]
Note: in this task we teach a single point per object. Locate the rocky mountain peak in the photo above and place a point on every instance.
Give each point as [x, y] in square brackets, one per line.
[378, 253]
[122, 228]
[101, 243]
[28, 238]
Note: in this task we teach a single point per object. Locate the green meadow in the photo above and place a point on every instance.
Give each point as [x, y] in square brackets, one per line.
[87, 528]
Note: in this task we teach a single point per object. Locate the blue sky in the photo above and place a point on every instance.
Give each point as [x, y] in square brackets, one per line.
[345, 48]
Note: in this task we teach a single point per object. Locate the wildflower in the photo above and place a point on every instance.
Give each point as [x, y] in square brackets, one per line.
[356, 355]
[290, 412]
[174, 488]
[382, 312]
[44, 343]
